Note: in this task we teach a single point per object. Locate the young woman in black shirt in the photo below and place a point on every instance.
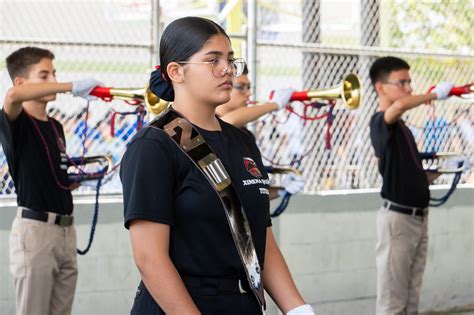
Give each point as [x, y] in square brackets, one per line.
[181, 240]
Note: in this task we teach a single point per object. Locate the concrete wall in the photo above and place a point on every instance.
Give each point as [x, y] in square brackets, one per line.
[328, 241]
[107, 274]
[329, 244]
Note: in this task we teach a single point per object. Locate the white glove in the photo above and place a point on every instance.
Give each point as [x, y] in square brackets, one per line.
[456, 162]
[305, 309]
[292, 184]
[281, 97]
[442, 90]
[82, 88]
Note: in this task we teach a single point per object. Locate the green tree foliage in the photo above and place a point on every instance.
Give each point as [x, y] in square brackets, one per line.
[437, 25]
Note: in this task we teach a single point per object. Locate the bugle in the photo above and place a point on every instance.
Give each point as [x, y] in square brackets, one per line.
[349, 91]
[282, 170]
[134, 96]
[286, 198]
[88, 167]
[444, 162]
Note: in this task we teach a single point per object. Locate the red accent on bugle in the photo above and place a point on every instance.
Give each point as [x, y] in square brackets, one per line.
[300, 96]
[458, 90]
[296, 96]
[102, 92]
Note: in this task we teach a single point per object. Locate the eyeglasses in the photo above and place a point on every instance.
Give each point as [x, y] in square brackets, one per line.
[242, 87]
[400, 83]
[222, 66]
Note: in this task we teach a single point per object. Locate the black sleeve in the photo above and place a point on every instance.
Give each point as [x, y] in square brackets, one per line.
[148, 176]
[5, 130]
[380, 133]
[10, 133]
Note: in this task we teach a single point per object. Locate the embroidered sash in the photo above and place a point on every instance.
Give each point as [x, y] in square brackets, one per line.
[188, 139]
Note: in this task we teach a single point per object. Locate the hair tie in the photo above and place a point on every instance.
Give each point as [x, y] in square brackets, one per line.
[162, 74]
[160, 86]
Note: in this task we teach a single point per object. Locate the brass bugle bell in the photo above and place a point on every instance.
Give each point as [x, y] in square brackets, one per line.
[439, 162]
[349, 91]
[133, 96]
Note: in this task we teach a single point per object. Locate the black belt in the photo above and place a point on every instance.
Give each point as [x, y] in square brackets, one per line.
[215, 285]
[405, 210]
[61, 220]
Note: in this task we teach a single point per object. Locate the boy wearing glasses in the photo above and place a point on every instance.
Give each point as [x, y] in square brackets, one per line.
[402, 221]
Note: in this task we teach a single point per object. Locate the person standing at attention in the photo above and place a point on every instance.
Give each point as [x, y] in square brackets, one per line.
[196, 193]
[402, 221]
[43, 237]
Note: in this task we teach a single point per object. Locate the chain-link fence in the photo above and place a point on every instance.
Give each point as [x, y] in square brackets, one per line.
[313, 45]
[111, 41]
[302, 44]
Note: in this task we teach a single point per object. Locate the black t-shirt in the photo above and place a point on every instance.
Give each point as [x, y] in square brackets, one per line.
[30, 167]
[161, 184]
[251, 135]
[404, 180]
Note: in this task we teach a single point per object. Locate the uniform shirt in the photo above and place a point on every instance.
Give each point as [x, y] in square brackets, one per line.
[250, 133]
[29, 166]
[161, 184]
[404, 180]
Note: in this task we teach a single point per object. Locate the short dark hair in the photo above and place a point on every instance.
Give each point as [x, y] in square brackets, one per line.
[19, 62]
[184, 37]
[382, 67]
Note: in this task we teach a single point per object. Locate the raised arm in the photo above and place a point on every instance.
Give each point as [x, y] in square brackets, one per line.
[16, 95]
[394, 112]
[243, 115]
[150, 246]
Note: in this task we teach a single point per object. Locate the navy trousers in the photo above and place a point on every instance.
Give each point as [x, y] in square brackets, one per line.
[209, 302]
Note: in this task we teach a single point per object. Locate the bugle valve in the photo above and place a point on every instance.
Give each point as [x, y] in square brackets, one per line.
[133, 96]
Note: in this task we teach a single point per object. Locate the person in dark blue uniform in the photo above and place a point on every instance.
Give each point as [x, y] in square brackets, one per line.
[181, 240]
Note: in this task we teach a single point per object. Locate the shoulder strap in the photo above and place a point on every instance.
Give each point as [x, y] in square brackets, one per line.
[191, 142]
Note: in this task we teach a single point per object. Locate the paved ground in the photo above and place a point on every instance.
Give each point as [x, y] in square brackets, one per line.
[452, 313]
[464, 310]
